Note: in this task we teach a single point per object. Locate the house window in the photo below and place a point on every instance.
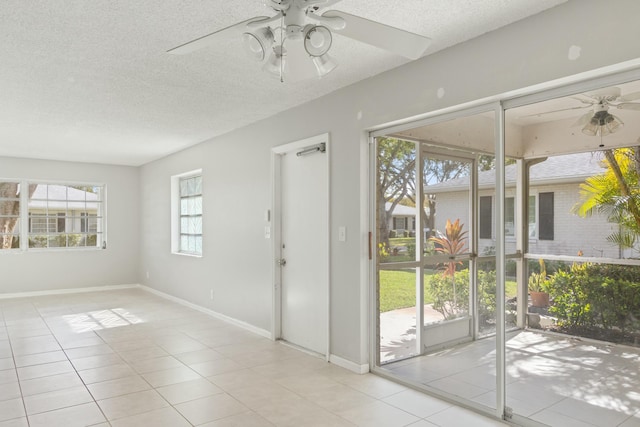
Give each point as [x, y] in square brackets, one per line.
[532, 217]
[399, 223]
[545, 231]
[509, 217]
[485, 217]
[187, 213]
[510, 221]
[58, 214]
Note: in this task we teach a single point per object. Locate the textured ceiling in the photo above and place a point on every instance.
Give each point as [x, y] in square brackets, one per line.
[91, 80]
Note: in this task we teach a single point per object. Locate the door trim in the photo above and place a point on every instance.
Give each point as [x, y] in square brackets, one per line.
[276, 227]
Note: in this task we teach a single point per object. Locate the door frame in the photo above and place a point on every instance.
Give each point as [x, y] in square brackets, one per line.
[274, 217]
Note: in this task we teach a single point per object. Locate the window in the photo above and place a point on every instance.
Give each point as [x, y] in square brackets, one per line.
[485, 217]
[9, 215]
[58, 215]
[53, 214]
[399, 223]
[532, 217]
[187, 213]
[546, 216]
[510, 222]
[509, 217]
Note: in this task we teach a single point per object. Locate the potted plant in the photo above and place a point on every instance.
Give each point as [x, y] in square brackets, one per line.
[537, 287]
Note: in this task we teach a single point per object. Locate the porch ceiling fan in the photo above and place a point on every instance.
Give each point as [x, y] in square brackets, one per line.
[296, 40]
[598, 121]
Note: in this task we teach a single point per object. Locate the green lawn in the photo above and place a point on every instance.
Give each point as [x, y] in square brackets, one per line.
[398, 289]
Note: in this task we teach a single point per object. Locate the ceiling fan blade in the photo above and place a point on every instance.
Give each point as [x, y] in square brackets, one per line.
[409, 45]
[583, 120]
[630, 96]
[204, 41]
[629, 106]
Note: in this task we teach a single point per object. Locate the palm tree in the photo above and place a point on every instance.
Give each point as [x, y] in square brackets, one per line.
[615, 193]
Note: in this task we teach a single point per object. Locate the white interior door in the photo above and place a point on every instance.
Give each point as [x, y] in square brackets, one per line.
[303, 245]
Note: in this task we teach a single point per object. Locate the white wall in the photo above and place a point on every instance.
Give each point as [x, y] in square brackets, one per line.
[70, 269]
[572, 233]
[236, 262]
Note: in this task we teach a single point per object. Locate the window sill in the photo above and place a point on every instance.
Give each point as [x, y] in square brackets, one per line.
[187, 254]
[41, 250]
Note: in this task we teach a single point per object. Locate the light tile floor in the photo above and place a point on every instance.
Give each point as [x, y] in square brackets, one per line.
[130, 358]
[555, 380]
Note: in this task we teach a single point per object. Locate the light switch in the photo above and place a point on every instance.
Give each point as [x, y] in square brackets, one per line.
[267, 232]
[342, 233]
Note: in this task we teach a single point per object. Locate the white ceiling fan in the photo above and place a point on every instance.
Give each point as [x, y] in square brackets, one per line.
[296, 40]
[598, 121]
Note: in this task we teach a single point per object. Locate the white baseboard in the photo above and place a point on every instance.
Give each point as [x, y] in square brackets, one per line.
[67, 291]
[212, 313]
[347, 364]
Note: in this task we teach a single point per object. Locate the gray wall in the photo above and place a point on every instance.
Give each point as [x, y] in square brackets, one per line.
[69, 269]
[236, 261]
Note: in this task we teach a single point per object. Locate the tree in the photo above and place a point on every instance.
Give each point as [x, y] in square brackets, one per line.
[396, 179]
[10, 210]
[397, 182]
[615, 193]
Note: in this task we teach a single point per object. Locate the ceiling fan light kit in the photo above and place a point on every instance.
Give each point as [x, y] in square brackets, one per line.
[258, 43]
[276, 63]
[324, 64]
[297, 39]
[602, 124]
[317, 40]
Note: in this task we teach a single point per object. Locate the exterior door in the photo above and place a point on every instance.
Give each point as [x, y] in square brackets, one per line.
[302, 244]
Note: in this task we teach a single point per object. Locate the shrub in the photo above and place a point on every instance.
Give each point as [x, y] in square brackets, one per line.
[392, 234]
[596, 296]
[383, 252]
[453, 302]
[411, 250]
[450, 293]
[550, 266]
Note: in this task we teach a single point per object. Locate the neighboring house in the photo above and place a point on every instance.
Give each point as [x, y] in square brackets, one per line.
[553, 192]
[403, 218]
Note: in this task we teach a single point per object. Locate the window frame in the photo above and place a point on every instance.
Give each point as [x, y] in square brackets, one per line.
[20, 221]
[176, 216]
[487, 222]
[52, 222]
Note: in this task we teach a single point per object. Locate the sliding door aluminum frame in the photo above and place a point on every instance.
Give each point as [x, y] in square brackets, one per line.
[457, 152]
[499, 105]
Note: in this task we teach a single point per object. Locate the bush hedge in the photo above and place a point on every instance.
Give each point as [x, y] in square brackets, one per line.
[596, 296]
[454, 302]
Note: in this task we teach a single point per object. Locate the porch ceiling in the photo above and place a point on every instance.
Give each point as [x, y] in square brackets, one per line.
[534, 130]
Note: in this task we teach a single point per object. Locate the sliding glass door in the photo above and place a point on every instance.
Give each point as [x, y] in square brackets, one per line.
[506, 251]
